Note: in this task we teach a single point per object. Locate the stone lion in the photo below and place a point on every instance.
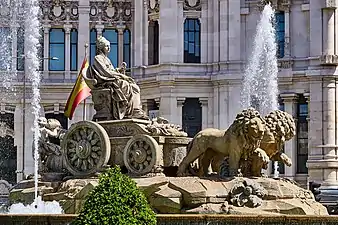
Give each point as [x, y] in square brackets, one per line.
[239, 141]
[280, 127]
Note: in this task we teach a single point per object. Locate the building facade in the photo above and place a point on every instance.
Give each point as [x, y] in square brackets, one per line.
[188, 56]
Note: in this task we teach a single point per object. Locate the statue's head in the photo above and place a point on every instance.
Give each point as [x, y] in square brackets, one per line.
[102, 45]
[42, 121]
[53, 124]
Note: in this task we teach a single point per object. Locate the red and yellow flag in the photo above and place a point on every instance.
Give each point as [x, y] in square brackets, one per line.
[80, 92]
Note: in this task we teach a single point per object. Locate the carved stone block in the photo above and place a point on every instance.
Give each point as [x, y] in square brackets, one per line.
[102, 104]
[329, 60]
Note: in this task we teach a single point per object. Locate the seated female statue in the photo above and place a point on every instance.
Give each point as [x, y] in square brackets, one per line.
[125, 93]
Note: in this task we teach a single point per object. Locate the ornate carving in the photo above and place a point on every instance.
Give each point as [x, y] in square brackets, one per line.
[57, 11]
[285, 63]
[123, 130]
[86, 148]
[162, 127]
[247, 193]
[153, 6]
[192, 5]
[51, 159]
[140, 154]
[116, 11]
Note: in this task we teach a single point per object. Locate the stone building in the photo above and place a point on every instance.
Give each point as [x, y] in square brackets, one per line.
[188, 56]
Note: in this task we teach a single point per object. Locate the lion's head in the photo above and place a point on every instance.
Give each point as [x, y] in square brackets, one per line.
[250, 127]
[281, 125]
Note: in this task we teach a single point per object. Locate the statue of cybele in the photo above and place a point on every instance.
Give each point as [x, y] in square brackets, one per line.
[124, 97]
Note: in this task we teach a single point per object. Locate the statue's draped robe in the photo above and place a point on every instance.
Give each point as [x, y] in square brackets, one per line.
[123, 93]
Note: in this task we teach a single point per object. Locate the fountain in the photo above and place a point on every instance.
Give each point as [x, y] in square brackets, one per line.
[260, 87]
[30, 10]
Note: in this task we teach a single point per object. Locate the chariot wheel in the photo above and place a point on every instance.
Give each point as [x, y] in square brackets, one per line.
[86, 148]
[140, 154]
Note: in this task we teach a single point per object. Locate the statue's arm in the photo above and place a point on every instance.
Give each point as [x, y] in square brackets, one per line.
[52, 133]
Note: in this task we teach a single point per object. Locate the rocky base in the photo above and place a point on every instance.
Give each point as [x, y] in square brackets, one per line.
[193, 195]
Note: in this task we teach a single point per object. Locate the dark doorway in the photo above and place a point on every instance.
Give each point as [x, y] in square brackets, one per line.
[192, 116]
[8, 157]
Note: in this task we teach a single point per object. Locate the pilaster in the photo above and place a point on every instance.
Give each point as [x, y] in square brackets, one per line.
[234, 30]
[204, 104]
[18, 142]
[137, 34]
[180, 103]
[290, 147]
[204, 32]
[168, 31]
[145, 26]
[84, 29]
[223, 32]
[120, 30]
[180, 31]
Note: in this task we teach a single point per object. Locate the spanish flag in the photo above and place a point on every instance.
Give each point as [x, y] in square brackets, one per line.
[80, 92]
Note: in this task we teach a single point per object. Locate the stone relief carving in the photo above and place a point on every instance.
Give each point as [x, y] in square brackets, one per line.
[161, 127]
[57, 10]
[192, 5]
[247, 193]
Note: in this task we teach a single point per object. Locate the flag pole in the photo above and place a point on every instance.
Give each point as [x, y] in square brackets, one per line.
[84, 101]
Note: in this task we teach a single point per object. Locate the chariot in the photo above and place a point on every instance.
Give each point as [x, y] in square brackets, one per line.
[140, 146]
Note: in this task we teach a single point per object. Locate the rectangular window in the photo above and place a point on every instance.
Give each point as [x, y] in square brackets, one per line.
[56, 49]
[302, 135]
[112, 36]
[20, 63]
[280, 33]
[41, 49]
[73, 50]
[6, 49]
[93, 37]
[153, 43]
[192, 44]
[126, 47]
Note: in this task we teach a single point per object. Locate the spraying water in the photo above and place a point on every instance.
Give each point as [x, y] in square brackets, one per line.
[32, 44]
[260, 87]
[27, 11]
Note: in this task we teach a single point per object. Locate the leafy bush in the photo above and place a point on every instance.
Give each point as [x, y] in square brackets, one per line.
[116, 200]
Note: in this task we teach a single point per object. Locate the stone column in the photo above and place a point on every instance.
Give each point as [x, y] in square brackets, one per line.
[204, 104]
[168, 104]
[223, 32]
[180, 31]
[145, 25]
[120, 30]
[84, 29]
[328, 30]
[234, 30]
[290, 147]
[322, 161]
[18, 139]
[180, 103]
[67, 28]
[168, 31]
[46, 51]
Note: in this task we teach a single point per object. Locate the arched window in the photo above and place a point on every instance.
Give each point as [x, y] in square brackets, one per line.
[126, 47]
[192, 43]
[20, 41]
[112, 36]
[6, 49]
[153, 43]
[93, 36]
[280, 33]
[57, 49]
[302, 135]
[73, 50]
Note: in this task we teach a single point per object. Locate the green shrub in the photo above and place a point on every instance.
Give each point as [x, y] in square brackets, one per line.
[116, 200]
